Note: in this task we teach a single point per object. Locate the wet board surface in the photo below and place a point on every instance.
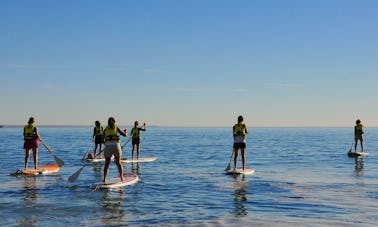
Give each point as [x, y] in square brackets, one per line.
[94, 160]
[246, 171]
[355, 154]
[50, 168]
[115, 182]
[145, 159]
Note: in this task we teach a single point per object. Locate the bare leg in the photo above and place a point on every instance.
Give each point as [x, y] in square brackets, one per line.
[99, 153]
[94, 152]
[132, 152]
[117, 161]
[355, 145]
[236, 151]
[27, 154]
[138, 148]
[362, 146]
[243, 157]
[106, 168]
[35, 156]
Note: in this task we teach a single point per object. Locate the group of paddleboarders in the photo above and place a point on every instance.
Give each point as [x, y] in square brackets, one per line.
[110, 137]
[99, 139]
[240, 132]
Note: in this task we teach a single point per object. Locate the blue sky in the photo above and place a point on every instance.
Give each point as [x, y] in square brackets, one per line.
[189, 62]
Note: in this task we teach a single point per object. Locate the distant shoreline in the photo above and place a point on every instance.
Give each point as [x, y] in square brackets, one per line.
[159, 126]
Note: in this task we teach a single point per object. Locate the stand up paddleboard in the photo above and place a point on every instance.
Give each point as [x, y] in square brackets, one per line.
[115, 182]
[47, 169]
[145, 159]
[94, 160]
[246, 171]
[355, 154]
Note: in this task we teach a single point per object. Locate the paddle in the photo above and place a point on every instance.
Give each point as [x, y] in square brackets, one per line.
[126, 142]
[229, 163]
[76, 175]
[121, 147]
[350, 150]
[86, 153]
[58, 161]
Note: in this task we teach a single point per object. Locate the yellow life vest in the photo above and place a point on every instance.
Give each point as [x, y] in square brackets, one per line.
[239, 131]
[29, 132]
[99, 130]
[135, 133]
[111, 134]
[358, 129]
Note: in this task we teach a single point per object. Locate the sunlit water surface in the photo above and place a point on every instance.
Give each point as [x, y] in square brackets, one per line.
[303, 176]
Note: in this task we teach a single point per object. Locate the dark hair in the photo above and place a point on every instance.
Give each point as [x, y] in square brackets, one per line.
[111, 119]
[31, 120]
[358, 121]
[240, 118]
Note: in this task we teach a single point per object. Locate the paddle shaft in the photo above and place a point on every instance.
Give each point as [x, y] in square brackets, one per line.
[86, 153]
[229, 163]
[58, 161]
[121, 147]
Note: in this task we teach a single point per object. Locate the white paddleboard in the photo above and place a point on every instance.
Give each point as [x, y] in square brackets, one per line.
[115, 182]
[145, 159]
[94, 160]
[50, 168]
[246, 171]
[353, 154]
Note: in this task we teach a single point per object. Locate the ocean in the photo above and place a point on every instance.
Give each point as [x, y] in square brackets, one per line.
[303, 177]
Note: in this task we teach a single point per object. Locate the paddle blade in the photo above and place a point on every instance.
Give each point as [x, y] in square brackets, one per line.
[58, 161]
[229, 163]
[76, 175]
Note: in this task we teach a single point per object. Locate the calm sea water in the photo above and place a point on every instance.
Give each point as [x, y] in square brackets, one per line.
[303, 176]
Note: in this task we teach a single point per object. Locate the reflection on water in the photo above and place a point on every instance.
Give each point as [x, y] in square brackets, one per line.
[112, 211]
[359, 166]
[135, 168]
[30, 187]
[240, 195]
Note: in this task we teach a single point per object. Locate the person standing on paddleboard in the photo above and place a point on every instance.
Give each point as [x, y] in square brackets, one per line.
[135, 133]
[240, 132]
[31, 137]
[358, 135]
[113, 147]
[98, 135]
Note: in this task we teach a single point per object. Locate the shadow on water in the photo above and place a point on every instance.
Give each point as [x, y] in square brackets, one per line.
[240, 195]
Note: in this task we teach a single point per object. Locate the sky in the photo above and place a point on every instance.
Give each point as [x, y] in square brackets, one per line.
[189, 62]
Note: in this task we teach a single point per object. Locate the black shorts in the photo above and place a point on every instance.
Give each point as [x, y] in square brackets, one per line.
[99, 139]
[135, 141]
[239, 145]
